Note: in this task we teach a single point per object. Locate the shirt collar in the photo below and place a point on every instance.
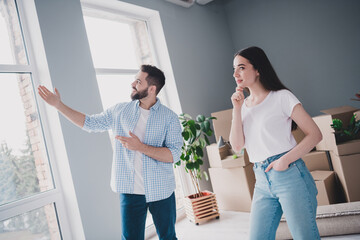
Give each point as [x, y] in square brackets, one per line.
[154, 107]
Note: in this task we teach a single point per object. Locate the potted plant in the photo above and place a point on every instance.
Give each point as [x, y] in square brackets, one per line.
[346, 134]
[202, 205]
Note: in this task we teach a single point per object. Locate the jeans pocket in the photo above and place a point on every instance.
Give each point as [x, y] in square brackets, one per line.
[291, 165]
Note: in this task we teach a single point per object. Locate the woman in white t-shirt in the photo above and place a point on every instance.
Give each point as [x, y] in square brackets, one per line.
[262, 123]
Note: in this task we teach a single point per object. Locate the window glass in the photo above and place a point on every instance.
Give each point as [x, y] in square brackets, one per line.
[117, 51]
[12, 49]
[115, 89]
[24, 166]
[38, 224]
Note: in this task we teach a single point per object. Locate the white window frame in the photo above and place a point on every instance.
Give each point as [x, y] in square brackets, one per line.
[64, 198]
[162, 60]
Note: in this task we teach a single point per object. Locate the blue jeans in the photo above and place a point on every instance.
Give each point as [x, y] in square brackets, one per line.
[133, 215]
[292, 192]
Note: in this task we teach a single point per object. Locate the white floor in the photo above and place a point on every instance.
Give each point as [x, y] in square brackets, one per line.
[230, 226]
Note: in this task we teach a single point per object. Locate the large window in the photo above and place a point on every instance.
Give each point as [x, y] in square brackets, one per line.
[30, 193]
[119, 45]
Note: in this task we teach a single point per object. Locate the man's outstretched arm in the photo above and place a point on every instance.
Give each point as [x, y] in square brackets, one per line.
[54, 100]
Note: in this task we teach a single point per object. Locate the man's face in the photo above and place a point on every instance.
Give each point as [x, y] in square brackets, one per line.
[140, 86]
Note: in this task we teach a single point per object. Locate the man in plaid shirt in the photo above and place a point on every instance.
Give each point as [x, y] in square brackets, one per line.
[148, 143]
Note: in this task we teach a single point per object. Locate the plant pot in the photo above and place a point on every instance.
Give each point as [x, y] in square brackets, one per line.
[203, 208]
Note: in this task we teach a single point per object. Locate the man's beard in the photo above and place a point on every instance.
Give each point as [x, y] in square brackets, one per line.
[139, 95]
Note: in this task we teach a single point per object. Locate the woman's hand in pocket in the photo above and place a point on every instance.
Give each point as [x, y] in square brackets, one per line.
[278, 165]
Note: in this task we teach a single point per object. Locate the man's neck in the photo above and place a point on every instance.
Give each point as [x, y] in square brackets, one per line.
[147, 103]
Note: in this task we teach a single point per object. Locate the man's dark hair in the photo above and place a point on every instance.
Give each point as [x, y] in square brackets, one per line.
[155, 76]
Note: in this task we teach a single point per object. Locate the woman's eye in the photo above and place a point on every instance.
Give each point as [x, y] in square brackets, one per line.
[241, 68]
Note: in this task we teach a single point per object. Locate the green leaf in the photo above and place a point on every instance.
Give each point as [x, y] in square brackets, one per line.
[352, 121]
[207, 140]
[200, 118]
[178, 163]
[199, 151]
[209, 133]
[211, 118]
[193, 130]
[337, 124]
[187, 116]
[185, 135]
[197, 126]
[202, 142]
[196, 165]
[198, 133]
[191, 123]
[206, 176]
[200, 161]
[348, 133]
[202, 125]
[190, 165]
[206, 126]
[182, 157]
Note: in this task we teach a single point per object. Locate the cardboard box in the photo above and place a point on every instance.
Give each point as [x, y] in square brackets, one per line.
[217, 160]
[329, 142]
[224, 151]
[222, 124]
[298, 134]
[233, 187]
[326, 186]
[318, 160]
[347, 169]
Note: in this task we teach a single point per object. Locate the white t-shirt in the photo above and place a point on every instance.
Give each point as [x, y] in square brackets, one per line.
[139, 131]
[267, 125]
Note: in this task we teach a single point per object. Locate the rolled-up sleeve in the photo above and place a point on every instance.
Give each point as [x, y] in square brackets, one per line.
[99, 122]
[173, 139]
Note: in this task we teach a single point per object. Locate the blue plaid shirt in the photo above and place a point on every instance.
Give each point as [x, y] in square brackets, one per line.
[162, 130]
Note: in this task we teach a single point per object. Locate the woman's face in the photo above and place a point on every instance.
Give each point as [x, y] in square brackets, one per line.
[244, 73]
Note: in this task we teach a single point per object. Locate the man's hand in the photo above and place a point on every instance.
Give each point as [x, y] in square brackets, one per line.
[279, 165]
[49, 97]
[132, 143]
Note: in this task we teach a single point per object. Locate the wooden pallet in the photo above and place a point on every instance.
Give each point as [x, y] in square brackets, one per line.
[201, 209]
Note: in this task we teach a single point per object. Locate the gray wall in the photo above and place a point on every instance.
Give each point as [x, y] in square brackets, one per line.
[90, 155]
[313, 45]
[200, 50]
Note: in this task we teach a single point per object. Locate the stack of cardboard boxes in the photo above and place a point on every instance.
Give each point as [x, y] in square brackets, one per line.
[345, 157]
[335, 168]
[231, 175]
[319, 164]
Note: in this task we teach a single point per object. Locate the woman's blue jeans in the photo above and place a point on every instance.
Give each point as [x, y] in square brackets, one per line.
[133, 215]
[292, 192]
